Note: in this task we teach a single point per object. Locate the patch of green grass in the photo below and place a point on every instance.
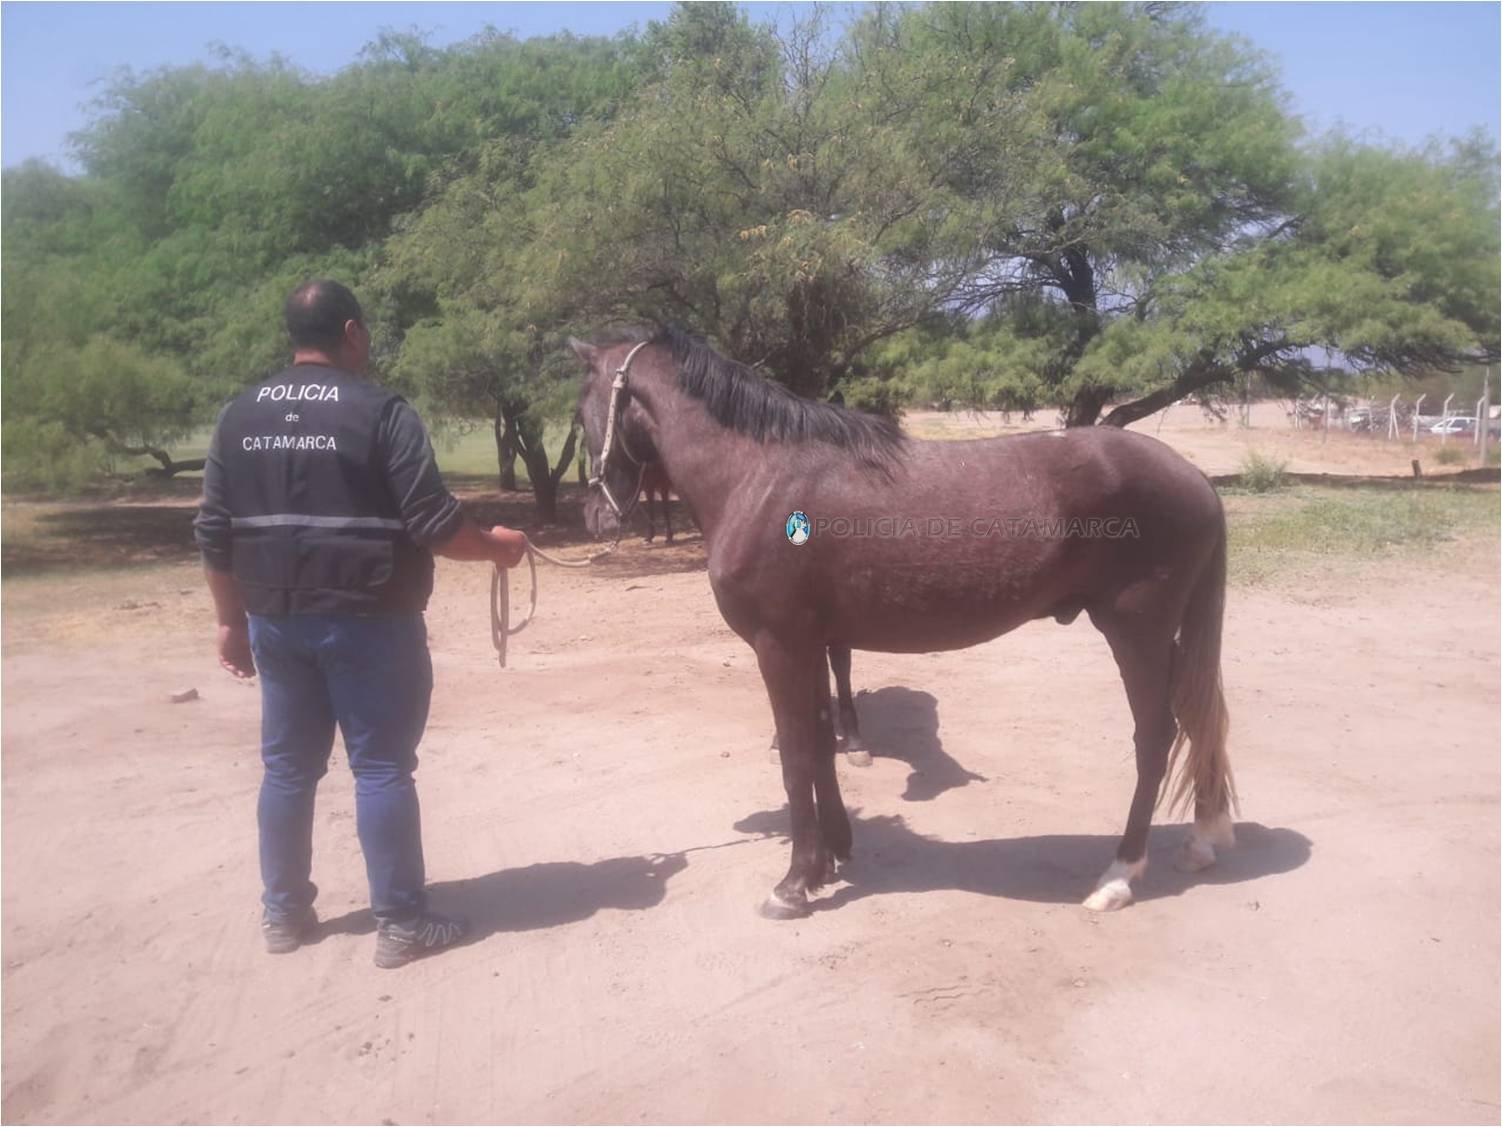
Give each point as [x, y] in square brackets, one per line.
[1451, 455]
[1261, 473]
[471, 452]
[1306, 527]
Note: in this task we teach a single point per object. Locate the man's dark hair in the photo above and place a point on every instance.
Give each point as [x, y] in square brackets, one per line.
[316, 313]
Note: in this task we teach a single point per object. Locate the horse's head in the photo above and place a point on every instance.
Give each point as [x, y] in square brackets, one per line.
[614, 434]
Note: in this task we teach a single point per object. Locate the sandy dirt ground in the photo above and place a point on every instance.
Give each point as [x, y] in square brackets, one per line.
[605, 814]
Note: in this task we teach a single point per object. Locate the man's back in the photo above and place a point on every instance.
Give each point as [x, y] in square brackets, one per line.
[323, 485]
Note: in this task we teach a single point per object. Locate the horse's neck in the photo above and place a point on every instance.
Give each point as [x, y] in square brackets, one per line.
[704, 460]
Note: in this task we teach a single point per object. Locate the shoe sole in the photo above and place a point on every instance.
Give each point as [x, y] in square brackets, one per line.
[399, 960]
[287, 944]
[396, 960]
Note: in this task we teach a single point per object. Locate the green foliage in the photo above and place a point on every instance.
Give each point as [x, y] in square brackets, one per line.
[45, 457]
[1262, 473]
[70, 409]
[1019, 207]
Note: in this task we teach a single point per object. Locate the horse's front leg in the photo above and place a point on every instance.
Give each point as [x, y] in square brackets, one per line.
[798, 688]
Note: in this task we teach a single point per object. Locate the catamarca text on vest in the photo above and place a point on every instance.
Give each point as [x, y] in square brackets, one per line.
[288, 442]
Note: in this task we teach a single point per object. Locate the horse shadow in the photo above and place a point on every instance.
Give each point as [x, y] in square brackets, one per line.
[903, 724]
[1047, 868]
[534, 897]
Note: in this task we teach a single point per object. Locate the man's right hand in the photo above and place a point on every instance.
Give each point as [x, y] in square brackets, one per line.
[510, 545]
[499, 545]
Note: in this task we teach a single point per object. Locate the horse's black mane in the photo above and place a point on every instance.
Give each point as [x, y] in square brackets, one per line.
[739, 398]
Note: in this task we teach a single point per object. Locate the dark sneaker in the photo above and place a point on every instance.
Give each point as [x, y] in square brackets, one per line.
[284, 936]
[397, 944]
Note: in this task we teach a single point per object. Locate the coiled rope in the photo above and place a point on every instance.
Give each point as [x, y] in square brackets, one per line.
[500, 593]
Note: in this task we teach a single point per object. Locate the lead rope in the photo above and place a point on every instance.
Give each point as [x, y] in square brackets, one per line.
[500, 592]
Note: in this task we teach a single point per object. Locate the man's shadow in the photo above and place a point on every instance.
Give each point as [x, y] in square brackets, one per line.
[903, 724]
[539, 896]
[1048, 868]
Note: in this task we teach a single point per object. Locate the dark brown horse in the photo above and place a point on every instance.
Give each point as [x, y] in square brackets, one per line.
[655, 484]
[921, 546]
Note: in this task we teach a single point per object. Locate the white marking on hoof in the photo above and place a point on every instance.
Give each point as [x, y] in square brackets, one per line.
[774, 756]
[1114, 889]
[860, 757]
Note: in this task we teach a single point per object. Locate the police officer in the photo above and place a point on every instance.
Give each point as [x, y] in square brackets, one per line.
[322, 506]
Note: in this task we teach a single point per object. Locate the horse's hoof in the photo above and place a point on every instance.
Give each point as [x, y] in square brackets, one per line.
[858, 757]
[1110, 897]
[774, 756]
[778, 907]
[1194, 855]
[1114, 891]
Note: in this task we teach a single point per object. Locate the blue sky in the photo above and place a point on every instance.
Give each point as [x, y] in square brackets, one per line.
[1406, 70]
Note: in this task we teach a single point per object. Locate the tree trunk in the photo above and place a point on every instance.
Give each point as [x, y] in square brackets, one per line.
[169, 466]
[568, 454]
[1076, 278]
[544, 487]
[1086, 407]
[528, 443]
[1193, 380]
[505, 447]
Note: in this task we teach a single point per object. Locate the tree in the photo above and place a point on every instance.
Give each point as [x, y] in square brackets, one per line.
[473, 365]
[106, 397]
[468, 340]
[765, 190]
[1388, 262]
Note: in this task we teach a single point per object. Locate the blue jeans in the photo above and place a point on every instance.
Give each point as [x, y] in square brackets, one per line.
[373, 677]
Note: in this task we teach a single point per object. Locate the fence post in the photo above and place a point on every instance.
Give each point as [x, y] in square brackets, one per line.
[1444, 417]
[1417, 409]
[1484, 414]
[1392, 419]
[1326, 437]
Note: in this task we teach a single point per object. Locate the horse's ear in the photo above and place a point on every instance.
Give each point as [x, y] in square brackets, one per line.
[584, 351]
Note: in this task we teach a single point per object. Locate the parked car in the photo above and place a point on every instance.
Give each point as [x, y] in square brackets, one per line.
[1455, 424]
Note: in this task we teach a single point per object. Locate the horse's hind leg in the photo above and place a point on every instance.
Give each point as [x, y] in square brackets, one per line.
[1145, 659]
[856, 750]
[797, 683]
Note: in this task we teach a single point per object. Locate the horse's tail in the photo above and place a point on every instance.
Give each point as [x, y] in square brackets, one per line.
[1199, 704]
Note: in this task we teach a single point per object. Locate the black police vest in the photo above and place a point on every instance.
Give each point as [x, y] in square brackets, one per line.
[314, 525]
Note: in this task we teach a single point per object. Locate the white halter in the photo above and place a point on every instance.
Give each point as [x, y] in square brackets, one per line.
[618, 385]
